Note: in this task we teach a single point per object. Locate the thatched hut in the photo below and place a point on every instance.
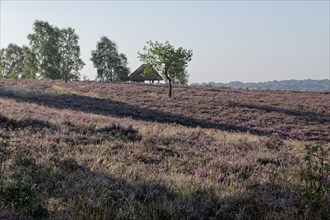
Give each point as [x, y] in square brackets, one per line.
[139, 75]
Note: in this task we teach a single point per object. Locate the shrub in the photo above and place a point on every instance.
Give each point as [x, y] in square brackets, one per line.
[316, 178]
[274, 142]
[18, 196]
[118, 132]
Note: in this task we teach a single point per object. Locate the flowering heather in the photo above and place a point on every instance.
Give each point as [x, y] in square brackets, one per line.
[88, 150]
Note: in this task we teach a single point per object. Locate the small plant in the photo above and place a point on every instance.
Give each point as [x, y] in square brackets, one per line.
[3, 156]
[274, 142]
[209, 85]
[13, 75]
[92, 125]
[316, 176]
[18, 196]
[122, 133]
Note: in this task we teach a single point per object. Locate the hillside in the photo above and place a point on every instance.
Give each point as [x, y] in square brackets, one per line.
[127, 151]
[289, 85]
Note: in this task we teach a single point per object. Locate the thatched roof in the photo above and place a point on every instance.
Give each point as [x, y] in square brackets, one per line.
[139, 75]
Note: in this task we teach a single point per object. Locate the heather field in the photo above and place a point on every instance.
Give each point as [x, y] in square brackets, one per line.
[88, 150]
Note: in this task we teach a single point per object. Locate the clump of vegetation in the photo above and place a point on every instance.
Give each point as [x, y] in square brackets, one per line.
[18, 197]
[18, 194]
[274, 142]
[316, 179]
[122, 133]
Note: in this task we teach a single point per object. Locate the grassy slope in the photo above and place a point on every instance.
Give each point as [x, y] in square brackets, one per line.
[207, 152]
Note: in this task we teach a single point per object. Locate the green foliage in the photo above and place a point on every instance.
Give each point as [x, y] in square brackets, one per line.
[44, 43]
[3, 155]
[181, 78]
[54, 54]
[170, 62]
[69, 49]
[30, 68]
[111, 66]
[121, 70]
[11, 61]
[18, 195]
[57, 53]
[316, 176]
[13, 75]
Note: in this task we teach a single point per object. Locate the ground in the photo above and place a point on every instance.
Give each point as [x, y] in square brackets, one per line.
[86, 150]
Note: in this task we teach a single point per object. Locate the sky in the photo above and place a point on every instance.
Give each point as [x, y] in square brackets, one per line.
[248, 41]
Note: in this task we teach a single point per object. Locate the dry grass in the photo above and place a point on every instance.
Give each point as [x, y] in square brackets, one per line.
[82, 167]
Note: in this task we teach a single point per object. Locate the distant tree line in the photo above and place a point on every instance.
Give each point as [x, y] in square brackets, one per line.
[54, 53]
[290, 85]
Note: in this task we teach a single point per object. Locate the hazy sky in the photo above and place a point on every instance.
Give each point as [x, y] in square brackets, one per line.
[231, 41]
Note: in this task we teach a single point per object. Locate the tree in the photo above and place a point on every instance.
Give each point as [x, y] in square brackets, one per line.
[11, 61]
[181, 77]
[56, 51]
[44, 42]
[111, 66]
[121, 70]
[30, 68]
[2, 65]
[70, 62]
[170, 62]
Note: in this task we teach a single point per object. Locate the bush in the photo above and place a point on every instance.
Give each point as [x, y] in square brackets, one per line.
[18, 196]
[316, 179]
[118, 132]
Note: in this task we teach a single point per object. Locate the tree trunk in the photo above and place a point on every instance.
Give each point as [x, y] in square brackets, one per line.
[66, 78]
[170, 91]
[170, 84]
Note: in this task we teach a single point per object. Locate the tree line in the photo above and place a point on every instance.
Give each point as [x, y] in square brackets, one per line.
[54, 53]
[322, 85]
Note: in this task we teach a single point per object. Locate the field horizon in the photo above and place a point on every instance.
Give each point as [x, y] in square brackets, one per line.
[91, 150]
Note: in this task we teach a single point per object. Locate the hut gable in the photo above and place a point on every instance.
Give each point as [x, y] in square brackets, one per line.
[139, 75]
